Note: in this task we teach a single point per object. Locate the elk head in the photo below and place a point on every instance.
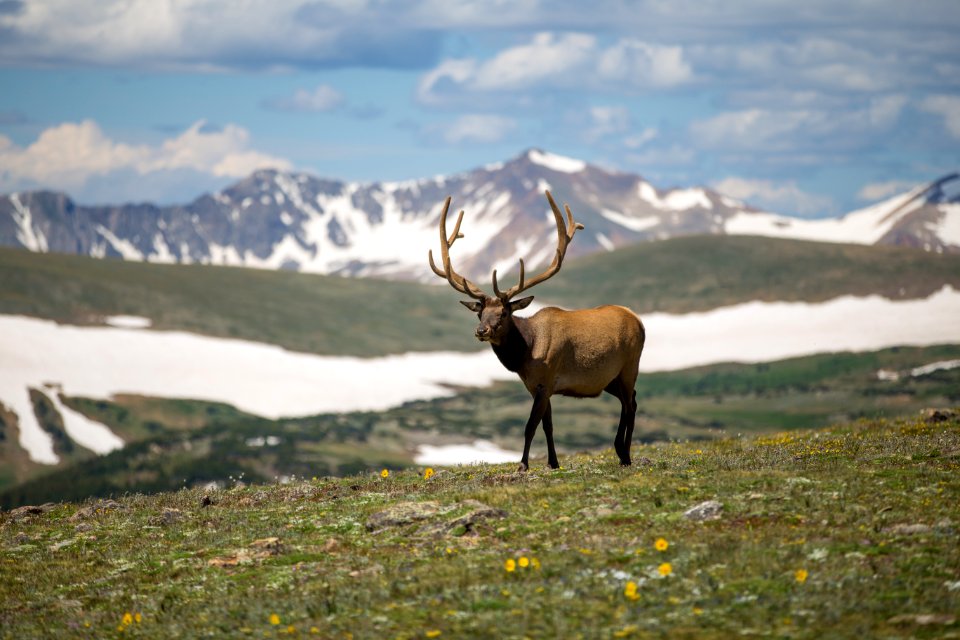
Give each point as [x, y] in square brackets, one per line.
[496, 312]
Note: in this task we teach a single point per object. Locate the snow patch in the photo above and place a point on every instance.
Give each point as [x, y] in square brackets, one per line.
[29, 237]
[84, 431]
[554, 162]
[948, 229]
[927, 369]
[630, 222]
[128, 322]
[124, 247]
[605, 242]
[481, 451]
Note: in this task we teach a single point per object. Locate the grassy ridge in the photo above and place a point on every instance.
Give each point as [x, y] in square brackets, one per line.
[301, 312]
[367, 317]
[849, 532]
[704, 272]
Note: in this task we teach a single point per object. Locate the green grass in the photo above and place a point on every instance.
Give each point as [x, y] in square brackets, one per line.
[867, 513]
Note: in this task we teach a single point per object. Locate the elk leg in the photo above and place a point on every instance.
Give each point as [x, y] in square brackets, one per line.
[631, 421]
[540, 403]
[548, 432]
[621, 443]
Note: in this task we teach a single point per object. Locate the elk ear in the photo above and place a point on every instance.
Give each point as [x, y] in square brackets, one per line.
[522, 303]
[472, 305]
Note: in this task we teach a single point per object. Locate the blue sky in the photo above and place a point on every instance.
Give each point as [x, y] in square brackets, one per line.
[807, 108]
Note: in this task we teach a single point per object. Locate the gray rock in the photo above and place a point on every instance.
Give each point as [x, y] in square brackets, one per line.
[709, 510]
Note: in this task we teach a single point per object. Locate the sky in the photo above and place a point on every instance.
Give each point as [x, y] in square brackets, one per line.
[809, 108]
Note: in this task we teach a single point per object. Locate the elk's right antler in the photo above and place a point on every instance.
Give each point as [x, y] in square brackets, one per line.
[564, 236]
[456, 280]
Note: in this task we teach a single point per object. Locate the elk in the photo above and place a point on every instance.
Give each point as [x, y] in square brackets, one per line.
[579, 353]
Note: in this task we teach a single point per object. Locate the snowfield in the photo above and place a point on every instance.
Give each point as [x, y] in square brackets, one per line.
[266, 380]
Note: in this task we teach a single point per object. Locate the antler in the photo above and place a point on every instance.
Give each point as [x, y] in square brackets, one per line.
[564, 236]
[456, 280]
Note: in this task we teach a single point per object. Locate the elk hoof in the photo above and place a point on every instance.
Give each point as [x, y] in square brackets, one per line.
[522, 468]
[625, 463]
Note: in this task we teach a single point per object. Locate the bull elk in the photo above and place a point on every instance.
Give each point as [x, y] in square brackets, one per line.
[578, 353]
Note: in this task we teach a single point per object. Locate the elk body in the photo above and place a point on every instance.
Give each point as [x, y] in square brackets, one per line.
[578, 353]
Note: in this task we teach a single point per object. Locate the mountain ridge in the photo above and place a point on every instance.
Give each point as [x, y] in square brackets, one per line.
[290, 220]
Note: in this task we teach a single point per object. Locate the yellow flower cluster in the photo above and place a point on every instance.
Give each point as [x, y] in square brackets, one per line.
[428, 473]
[128, 619]
[630, 591]
[384, 473]
[510, 565]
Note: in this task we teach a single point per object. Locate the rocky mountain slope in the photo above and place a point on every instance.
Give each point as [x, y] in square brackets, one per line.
[279, 220]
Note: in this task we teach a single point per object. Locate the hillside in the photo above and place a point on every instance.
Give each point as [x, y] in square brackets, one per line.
[847, 532]
[367, 317]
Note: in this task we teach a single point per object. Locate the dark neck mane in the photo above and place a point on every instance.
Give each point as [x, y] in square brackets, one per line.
[512, 350]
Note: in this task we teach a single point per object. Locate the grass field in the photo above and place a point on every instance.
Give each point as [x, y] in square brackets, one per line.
[846, 532]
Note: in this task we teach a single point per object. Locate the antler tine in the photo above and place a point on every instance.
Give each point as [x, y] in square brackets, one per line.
[456, 280]
[565, 234]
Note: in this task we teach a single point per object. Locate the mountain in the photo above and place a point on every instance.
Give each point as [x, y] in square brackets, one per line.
[279, 220]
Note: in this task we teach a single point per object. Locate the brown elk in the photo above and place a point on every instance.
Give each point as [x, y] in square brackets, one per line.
[578, 353]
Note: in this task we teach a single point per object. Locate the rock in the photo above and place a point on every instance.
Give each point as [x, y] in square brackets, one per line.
[408, 512]
[937, 415]
[464, 524]
[923, 619]
[709, 510]
[402, 513]
[95, 509]
[269, 546]
[83, 527]
[170, 516]
[28, 511]
[908, 529]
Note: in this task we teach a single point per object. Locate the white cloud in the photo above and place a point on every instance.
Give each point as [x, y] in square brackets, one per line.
[948, 107]
[559, 61]
[880, 190]
[322, 99]
[478, 128]
[771, 130]
[66, 156]
[783, 197]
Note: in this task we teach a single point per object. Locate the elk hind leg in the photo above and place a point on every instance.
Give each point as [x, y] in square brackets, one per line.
[628, 407]
[548, 432]
[541, 402]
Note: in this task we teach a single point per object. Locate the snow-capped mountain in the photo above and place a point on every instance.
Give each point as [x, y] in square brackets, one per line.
[296, 221]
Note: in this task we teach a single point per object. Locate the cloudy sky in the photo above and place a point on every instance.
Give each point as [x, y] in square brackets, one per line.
[807, 107]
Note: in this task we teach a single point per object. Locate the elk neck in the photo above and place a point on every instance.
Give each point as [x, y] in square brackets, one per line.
[514, 347]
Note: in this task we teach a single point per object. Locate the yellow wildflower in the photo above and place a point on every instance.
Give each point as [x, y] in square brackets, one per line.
[384, 473]
[314, 630]
[274, 619]
[535, 562]
[697, 611]
[291, 629]
[665, 569]
[427, 474]
[800, 575]
[434, 633]
[510, 565]
[127, 619]
[630, 591]
[524, 562]
[661, 544]
[137, 618]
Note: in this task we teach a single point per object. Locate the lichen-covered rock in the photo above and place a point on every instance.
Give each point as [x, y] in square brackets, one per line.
[402, 513]
[709, 510]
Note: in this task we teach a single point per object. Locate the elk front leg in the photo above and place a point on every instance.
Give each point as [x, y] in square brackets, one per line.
[541, 402]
